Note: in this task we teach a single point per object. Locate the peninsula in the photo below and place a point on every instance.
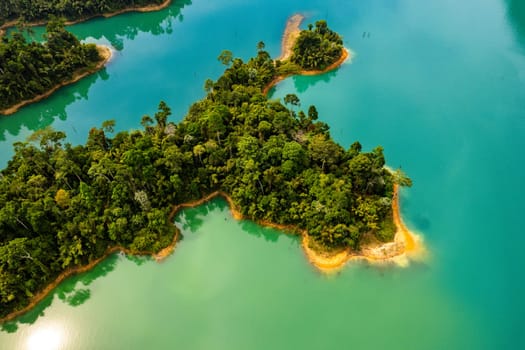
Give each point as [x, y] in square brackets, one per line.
[32, 72]
[63, 208]
[287, 64]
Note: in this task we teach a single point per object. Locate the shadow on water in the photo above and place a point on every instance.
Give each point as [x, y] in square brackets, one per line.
[34, 117]
[516, 17]
[254, 229]
[192, 219]
[422, 222]
[72, 291]
[138, 260]
[302, 83]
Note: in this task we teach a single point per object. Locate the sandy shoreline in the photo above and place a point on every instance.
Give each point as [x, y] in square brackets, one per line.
[345, 54]
[290, 35]
[148, 8]
[104, 52]
[405, 243]
[404, 246]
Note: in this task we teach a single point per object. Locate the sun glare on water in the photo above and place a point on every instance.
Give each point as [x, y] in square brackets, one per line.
[46, 338]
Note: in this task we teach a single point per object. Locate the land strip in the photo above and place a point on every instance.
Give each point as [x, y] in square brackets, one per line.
[104, 52]
[290, 35]
[147, 8]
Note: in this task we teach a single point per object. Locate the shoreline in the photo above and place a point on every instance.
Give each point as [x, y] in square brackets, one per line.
[290, 35]
[345, 54]
[84, 268]
[405, 244]
[157, 256]
[105, 53]
[147, 8]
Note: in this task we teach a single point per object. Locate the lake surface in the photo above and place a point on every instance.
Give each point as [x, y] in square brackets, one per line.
[440, 84]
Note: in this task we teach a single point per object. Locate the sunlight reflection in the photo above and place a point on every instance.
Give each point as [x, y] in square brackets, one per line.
[49, 337]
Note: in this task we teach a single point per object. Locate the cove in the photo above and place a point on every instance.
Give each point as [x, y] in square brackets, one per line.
[220, 272]
[438, 84]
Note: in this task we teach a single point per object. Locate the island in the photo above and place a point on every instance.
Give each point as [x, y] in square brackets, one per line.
[33, 71]
[64, 208]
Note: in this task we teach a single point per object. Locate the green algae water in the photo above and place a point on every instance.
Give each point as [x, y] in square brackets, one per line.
[439, 84]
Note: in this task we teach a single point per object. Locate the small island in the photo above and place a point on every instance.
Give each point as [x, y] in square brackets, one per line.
[33, 71]
[63, 208]
[297, 44]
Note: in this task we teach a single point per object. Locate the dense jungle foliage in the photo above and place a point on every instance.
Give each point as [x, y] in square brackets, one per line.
[29, 69]
[317, 48]
[62, 206]
[41, 10]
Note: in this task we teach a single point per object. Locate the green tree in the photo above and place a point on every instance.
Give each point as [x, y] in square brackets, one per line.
[260, 46]
[226, 57]
[30, 69]
[400, 178]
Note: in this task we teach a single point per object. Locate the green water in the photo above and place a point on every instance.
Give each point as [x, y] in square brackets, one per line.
[439, 84]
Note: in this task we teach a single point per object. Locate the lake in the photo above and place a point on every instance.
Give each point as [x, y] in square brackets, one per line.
[439, 84]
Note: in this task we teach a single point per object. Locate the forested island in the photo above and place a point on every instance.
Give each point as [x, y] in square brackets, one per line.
[39, 11]
[32, 71]
[63, 206]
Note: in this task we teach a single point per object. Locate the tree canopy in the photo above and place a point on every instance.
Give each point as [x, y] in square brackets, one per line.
[63, 206]
[317, 48]
[29, 69]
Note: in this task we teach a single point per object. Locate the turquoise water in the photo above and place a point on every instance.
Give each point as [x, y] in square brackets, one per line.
[439, 84]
